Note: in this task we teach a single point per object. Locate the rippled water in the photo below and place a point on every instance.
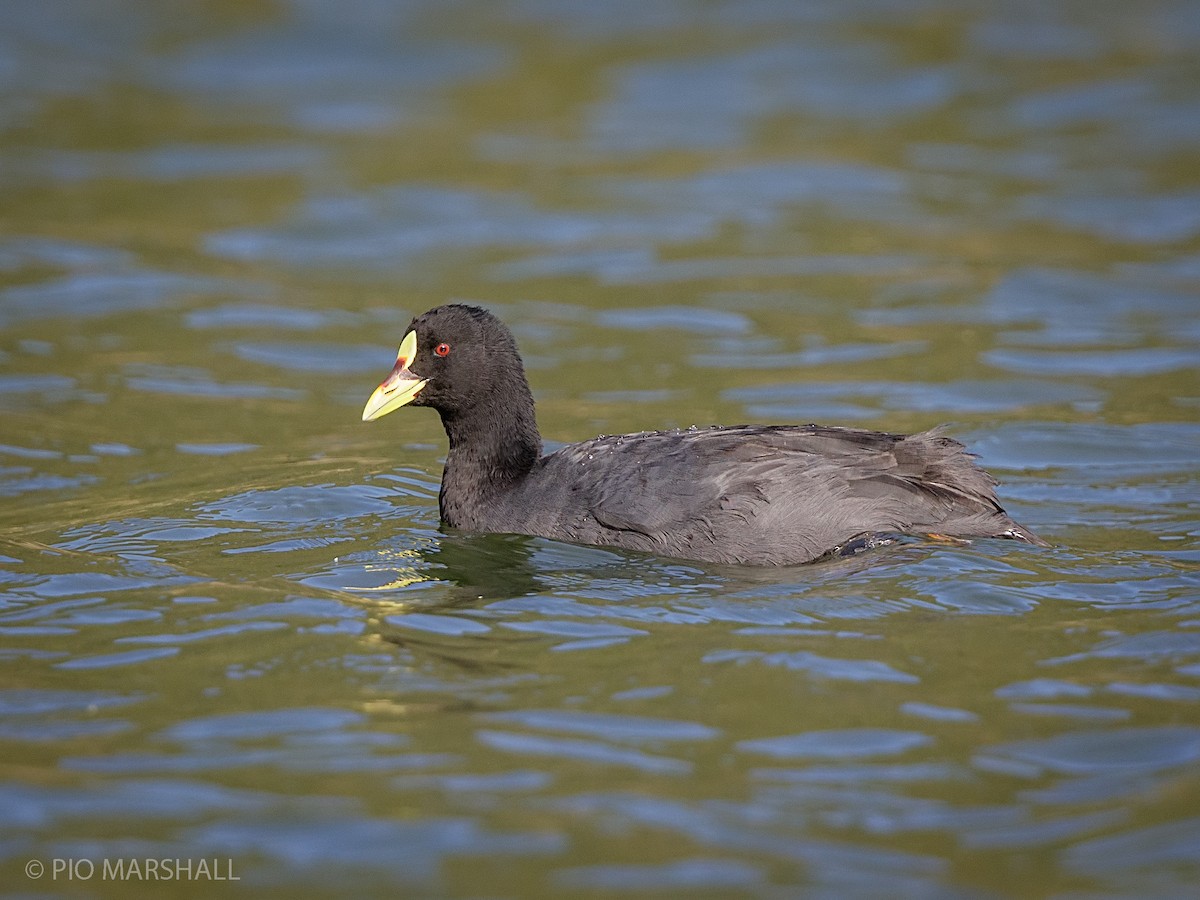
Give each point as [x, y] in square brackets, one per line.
[230, 627]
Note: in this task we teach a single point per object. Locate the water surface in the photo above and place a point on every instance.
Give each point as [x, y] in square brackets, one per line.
[231, 628]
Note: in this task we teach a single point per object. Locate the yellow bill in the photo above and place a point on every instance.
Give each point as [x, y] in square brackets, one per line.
[400, 387]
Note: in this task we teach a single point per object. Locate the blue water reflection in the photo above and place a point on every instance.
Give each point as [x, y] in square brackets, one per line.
[230, 625]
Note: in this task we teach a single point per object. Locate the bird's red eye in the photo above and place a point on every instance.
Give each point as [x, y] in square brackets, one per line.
[442, 350]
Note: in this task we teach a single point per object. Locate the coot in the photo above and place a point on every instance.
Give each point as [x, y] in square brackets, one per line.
[743, 494]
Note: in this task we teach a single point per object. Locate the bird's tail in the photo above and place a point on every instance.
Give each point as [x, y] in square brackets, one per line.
[1021, 533]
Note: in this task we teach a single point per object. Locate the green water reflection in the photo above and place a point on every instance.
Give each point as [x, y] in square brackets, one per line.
[230, 627]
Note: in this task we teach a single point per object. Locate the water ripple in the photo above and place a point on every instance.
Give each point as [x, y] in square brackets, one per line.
[817, 666]
[581, 750]
[609, 726]
[1128, 751]
[849, 743]
[232, 625]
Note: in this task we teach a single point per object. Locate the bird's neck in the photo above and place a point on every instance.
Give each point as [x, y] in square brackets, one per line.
[490, 452]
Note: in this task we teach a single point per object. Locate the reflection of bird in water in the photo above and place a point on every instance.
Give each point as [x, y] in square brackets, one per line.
[398, 564]
[746, 494]
[477, 566]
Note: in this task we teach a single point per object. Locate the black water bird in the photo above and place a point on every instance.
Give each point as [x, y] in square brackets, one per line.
[742, 494]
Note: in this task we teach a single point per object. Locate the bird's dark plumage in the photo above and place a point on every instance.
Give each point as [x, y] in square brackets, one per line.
[744, 494]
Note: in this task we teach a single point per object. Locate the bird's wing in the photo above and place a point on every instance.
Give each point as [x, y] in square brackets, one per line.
[823, 485]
